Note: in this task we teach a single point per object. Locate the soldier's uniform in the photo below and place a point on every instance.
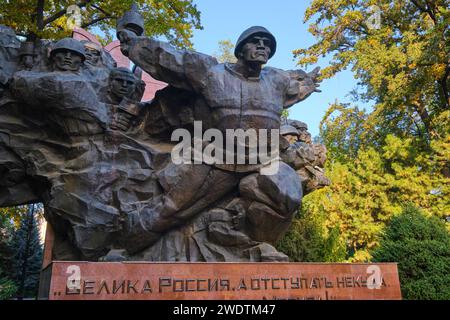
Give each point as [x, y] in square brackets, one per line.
[231, 101]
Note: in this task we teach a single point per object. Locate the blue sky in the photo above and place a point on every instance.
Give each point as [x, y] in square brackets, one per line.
[227, 19]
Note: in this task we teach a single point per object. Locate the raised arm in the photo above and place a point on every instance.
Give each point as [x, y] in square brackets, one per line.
[301, 86]
[183, 69]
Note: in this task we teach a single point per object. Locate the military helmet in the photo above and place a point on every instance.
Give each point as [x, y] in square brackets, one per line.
[298, 124]
[127, 73]
[27, 49]
[132, 20]
[91, 45]
[69, 44]
[288, 130]
[253, 31]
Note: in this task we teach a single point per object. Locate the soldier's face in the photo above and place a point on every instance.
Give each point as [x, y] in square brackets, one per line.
[291, 138]
[122, 86]
[92, 56]
[257, 50]
[28, 61]
[67, 60]
[305, 136]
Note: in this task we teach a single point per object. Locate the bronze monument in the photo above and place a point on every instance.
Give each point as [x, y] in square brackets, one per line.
[75, 135]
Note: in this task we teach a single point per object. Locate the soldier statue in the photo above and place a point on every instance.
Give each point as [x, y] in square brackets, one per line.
[244, 96]
[75, 135]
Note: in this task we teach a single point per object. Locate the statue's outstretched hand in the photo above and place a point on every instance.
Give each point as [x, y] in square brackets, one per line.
[310, 83]
[302, 85]
[314, 80]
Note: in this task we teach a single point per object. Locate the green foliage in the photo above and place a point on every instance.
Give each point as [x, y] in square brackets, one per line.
[7, 287]
[398, 152]
[20, 250]
[402, 66]
[343, 128]
[308, 240]
[14, 214]
[27, 259]
[421, 246]
[368, 191]
[174, 19]
[226, 52]
[284, 115]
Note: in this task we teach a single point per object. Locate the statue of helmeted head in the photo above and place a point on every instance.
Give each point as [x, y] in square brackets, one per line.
[93, 53]
[27, 55]
[255, 45]
[290, 133]
[68, 55]
[132, 20]
[122, 84]
[303, 134]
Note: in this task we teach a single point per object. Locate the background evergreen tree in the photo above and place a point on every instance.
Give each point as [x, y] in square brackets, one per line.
[421, 246]
[7, 286]
[27, 248]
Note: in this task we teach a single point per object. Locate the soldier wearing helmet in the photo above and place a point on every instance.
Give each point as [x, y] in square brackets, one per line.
[27, 55]
[93, 53]
[124, 96]
[132, 20]
[67, 55]
[243, 95]
[122, 84]
[303, 134]
[290, 133]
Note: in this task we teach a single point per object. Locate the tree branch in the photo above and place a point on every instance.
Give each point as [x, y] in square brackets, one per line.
[94, 21]
[431, 11]
[40, 14]
[424, 116]
[445, 89]
[101, 10]
[172, 6]
[59, 14]
[425, 10]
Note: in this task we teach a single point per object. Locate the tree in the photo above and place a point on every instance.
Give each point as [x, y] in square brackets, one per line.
[226, 52]
[7, 286]
[343, 130]
[174, 19]
[27, 248]
[369, 190]
[308, 241]
[13, 215]
[398, 152]
[402, 63]
[421, 246]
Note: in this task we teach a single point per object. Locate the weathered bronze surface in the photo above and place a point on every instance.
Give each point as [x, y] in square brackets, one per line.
[75, 135]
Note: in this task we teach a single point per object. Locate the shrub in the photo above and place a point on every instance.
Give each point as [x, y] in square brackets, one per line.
[421, 246]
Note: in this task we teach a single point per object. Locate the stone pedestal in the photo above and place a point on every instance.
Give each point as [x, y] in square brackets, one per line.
[219, 281]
